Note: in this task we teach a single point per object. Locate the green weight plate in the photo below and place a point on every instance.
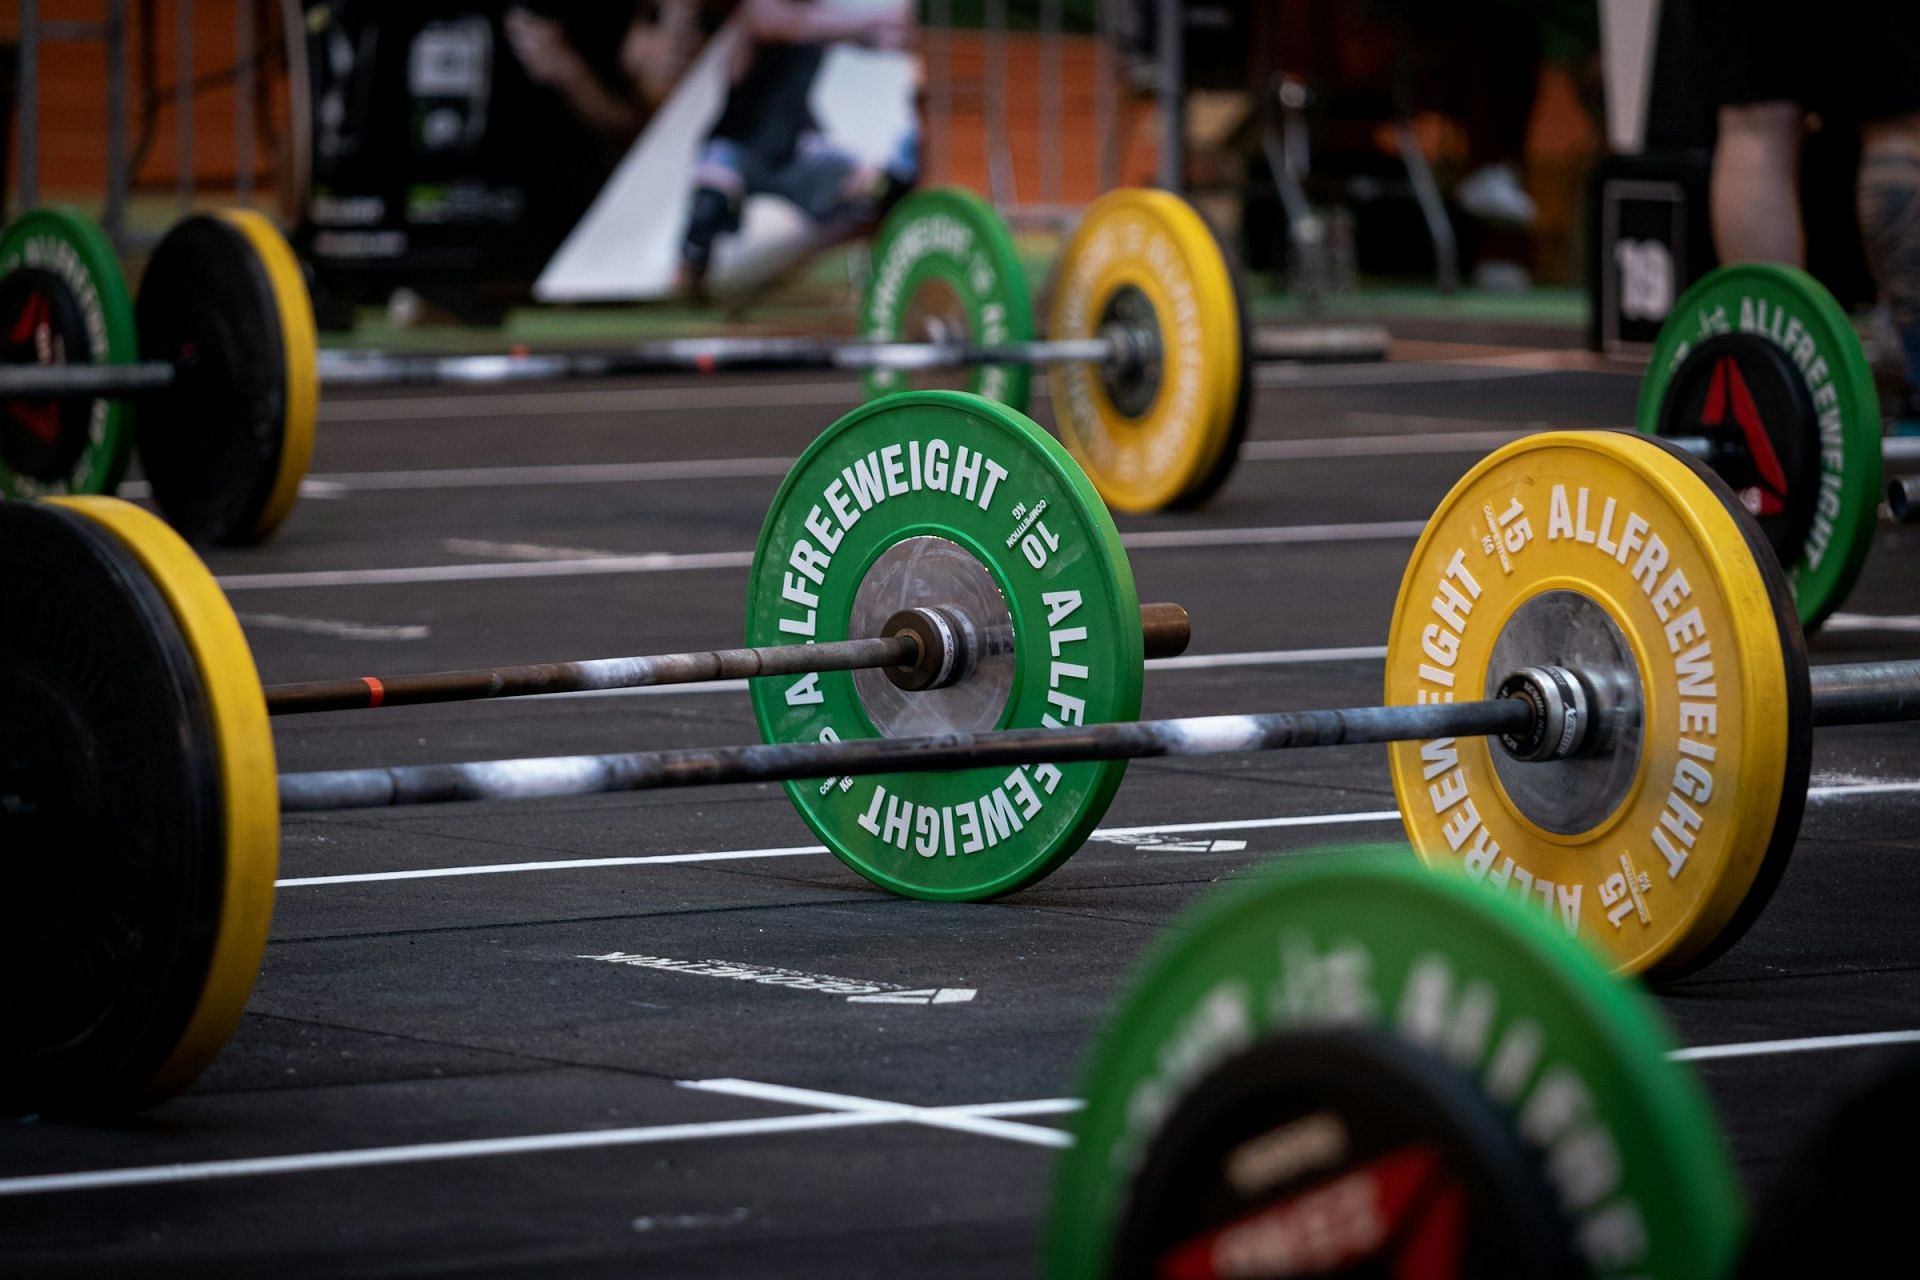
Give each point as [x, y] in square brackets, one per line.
[1760, 359]
[1376, 993]
[944, 267]
[945, 498]
[111, 815]
[62, 301]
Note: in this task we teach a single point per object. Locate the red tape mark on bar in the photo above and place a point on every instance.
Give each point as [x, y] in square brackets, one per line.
[705, 363]
[376, 692]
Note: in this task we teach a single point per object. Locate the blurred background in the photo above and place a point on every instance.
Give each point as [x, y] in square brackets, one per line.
[456, 168]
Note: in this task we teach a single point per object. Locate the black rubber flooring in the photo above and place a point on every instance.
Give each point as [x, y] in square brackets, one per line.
[434, 1077]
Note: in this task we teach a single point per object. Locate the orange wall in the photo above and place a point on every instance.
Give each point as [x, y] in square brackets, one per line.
[73, 95]
[73, 127]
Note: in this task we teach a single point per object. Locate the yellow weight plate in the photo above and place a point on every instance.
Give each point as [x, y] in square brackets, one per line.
[299, 345]
[1614, 557]
[238, 711]
[1156, 431]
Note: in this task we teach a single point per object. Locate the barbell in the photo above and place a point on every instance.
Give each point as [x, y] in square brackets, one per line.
[1345, 1066]
[1147, 337]
[1758, 372]
[1598, 705]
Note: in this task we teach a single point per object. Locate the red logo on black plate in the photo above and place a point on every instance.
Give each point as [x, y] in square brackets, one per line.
[34, 328]
[1729, 390]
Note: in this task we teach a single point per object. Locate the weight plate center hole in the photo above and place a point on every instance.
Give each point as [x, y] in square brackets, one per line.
[1562, 652]
[1131, 374]
[936, 590]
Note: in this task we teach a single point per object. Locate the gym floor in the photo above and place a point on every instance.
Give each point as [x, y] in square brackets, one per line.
[436, 1075]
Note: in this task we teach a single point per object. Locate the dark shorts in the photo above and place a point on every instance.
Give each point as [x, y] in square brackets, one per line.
[1850, 59]
[814, 176]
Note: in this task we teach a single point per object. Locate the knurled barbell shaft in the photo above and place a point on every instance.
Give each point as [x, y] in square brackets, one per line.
[1705, 448]
[1850, 694]
[591, 675]
[674, 355]
[77, 381]
[1866, 692]
[1164, 632]
[552, 776]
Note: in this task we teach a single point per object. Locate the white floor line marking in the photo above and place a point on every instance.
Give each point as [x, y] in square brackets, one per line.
[793, 851]
[843, 1111]
[934, 1117]
[1873, 622]
[1553, 360]
[677, 561]
[1031, 1107]
[1384, 373]
[1842, 790]
[1267, 658]
[1272, 535]
[1444, 438]
[521, 550]
[832, 1111]
[421, 1153]
[1435, 442]
[561, 864]
[650, 690]
[651, 562]
[1808, 1044]
[743, 395]
[559, 473]
[1251, 824]
[1430, 424]
[310, 487]
[543, 404]
[337, 628]
[1836, 792]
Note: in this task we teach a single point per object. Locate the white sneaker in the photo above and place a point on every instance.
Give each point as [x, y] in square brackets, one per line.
[1501, 275]
[1492, 193]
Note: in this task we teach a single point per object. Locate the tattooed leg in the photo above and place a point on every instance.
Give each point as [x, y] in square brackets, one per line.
[1889, 195]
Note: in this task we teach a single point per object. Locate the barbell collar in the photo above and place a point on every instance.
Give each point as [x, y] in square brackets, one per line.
[1903, 499]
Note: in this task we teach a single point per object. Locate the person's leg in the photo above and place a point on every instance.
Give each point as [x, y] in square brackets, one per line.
[827, 184]
[722, 178]
[1889, 201]
[1755, 185]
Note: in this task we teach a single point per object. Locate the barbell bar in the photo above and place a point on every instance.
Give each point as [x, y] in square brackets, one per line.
[1852, 693]
[921, 648]
[673, 355]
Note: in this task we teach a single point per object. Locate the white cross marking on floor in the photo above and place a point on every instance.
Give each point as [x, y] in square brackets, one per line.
[937, 1117]
[830, 1111]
